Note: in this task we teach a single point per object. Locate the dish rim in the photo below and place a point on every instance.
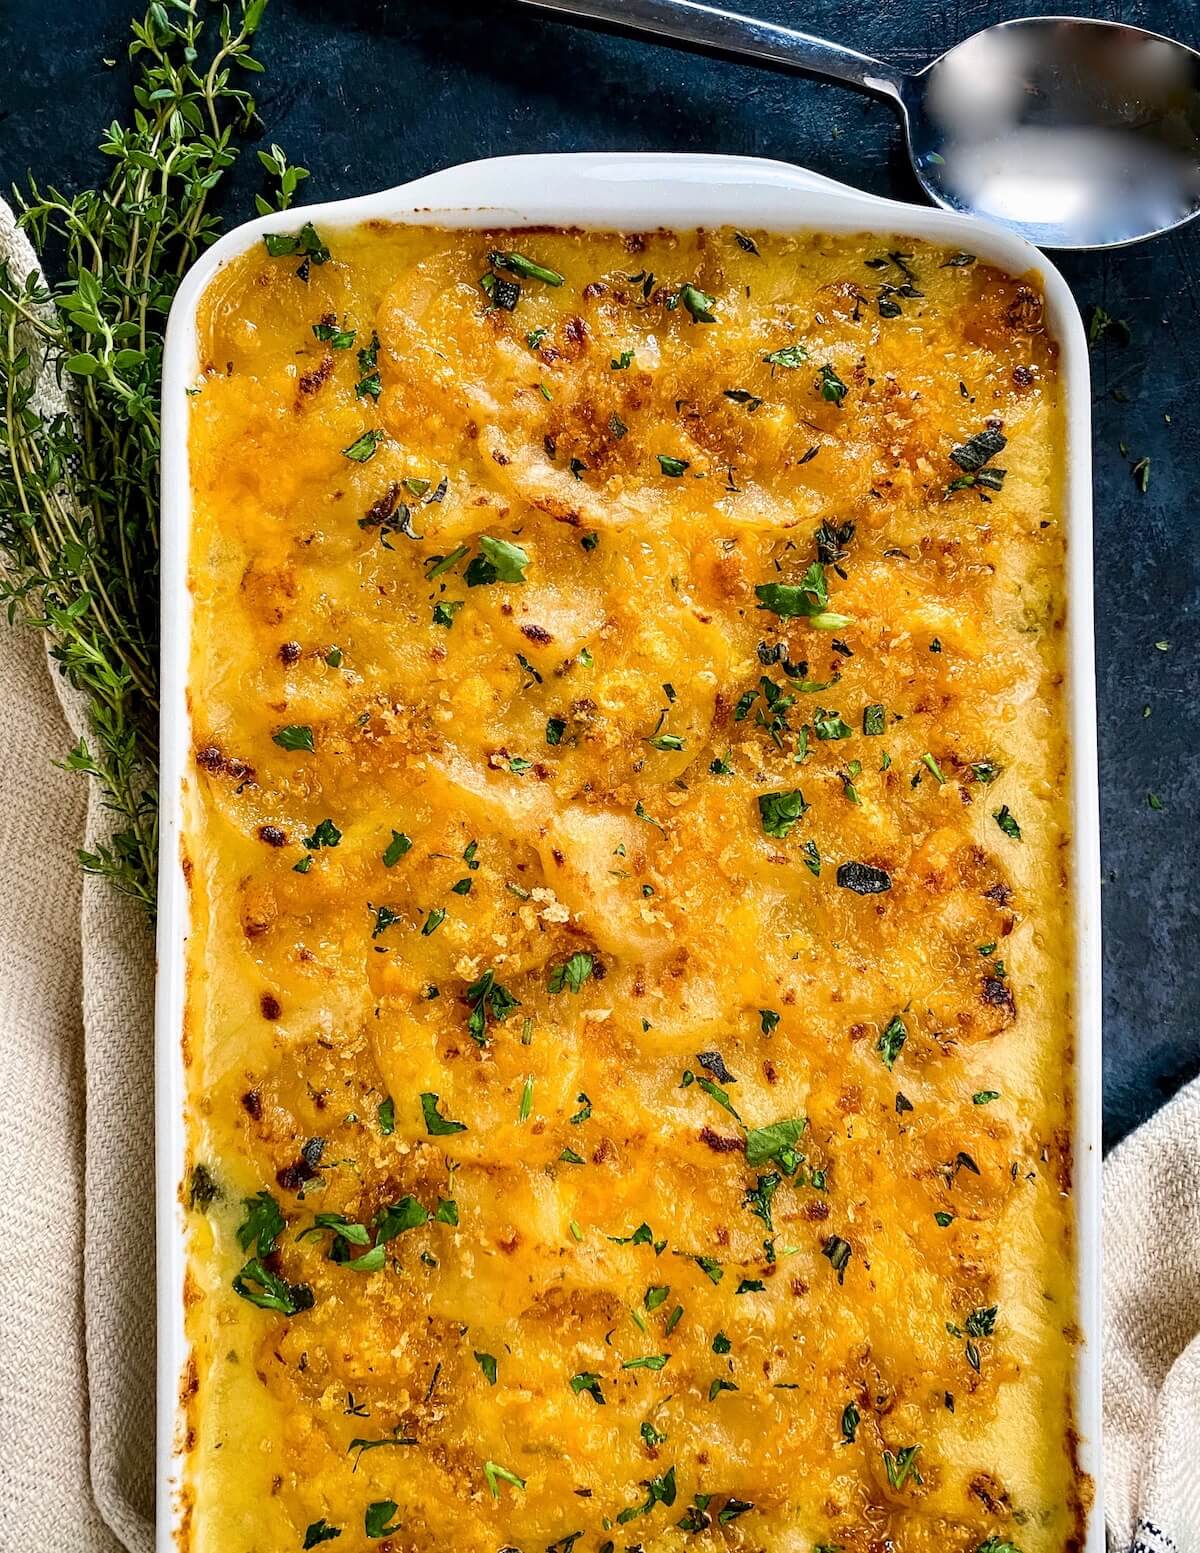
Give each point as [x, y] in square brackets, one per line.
[598, 191]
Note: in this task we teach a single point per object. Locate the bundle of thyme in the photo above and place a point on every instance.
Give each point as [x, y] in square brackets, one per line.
[79, 489]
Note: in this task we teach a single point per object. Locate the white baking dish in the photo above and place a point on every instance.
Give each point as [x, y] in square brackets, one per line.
[630, 191]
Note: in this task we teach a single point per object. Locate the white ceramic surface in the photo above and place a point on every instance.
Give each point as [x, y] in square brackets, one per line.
[631, 191]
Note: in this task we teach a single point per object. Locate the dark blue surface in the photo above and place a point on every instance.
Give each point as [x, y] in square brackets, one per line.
[373, 92]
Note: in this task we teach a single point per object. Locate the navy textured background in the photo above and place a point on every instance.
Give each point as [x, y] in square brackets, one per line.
[369, 93]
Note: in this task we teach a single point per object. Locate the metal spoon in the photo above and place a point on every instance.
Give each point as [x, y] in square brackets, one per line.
[1076, 133]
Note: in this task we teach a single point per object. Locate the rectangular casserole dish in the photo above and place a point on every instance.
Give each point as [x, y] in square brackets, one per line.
[635, 192]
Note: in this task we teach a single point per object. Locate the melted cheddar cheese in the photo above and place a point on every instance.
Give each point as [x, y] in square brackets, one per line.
[629, 1033]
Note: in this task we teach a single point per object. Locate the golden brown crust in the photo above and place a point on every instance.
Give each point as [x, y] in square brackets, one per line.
[578, 607]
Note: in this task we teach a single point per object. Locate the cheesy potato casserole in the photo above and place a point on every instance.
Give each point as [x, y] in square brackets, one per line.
[629, 1034]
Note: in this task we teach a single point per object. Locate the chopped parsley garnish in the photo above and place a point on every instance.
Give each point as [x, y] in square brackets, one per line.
[829, 725]
[369, 385]
[396, 848]
[555, 728]
[806, 600]
[787, 356]
[587, 1381]
[714, 1092]
[433, 921]
[297, 736]
[1006, 822]
[873, 718]
[744, 396]
[985, 1096]
[711, 1268]
[650, 1361]
[779, 812]
[768, 1020]
[831, 386]
[325, 834]
[487, 1363]
[500, 561]
[891, 1042]
[933, 768]
[263, 1224]
[320, 1531]
[775, 1142]
[699, 304]
[386, 1116]
[363, 448]
[622, 362]
[257, 1284]
[642, 1236]
[405, 1214]
[675, 468]
[331, 335]
[445, 610]
[659, 1490]
[746, 244]
[377, 1516]
[572, 972]
[850, 1418]
[758, 1197]
[437, 1126]
[385, 917]
[486, 996]
[305, 242]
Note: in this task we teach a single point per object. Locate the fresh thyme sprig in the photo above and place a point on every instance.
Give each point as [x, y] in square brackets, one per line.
[79, 489]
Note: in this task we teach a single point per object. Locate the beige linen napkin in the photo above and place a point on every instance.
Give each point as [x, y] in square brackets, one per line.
[77, 1162]
[1152, 1333]
[77, 1191]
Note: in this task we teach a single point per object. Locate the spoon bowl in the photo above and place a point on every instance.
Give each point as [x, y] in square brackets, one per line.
[1075, 133]
[1079, 134]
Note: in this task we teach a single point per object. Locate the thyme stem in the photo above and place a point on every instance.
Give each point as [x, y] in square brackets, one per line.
[79, 489]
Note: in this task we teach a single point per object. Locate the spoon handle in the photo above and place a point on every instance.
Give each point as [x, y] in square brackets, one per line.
[703, 26]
